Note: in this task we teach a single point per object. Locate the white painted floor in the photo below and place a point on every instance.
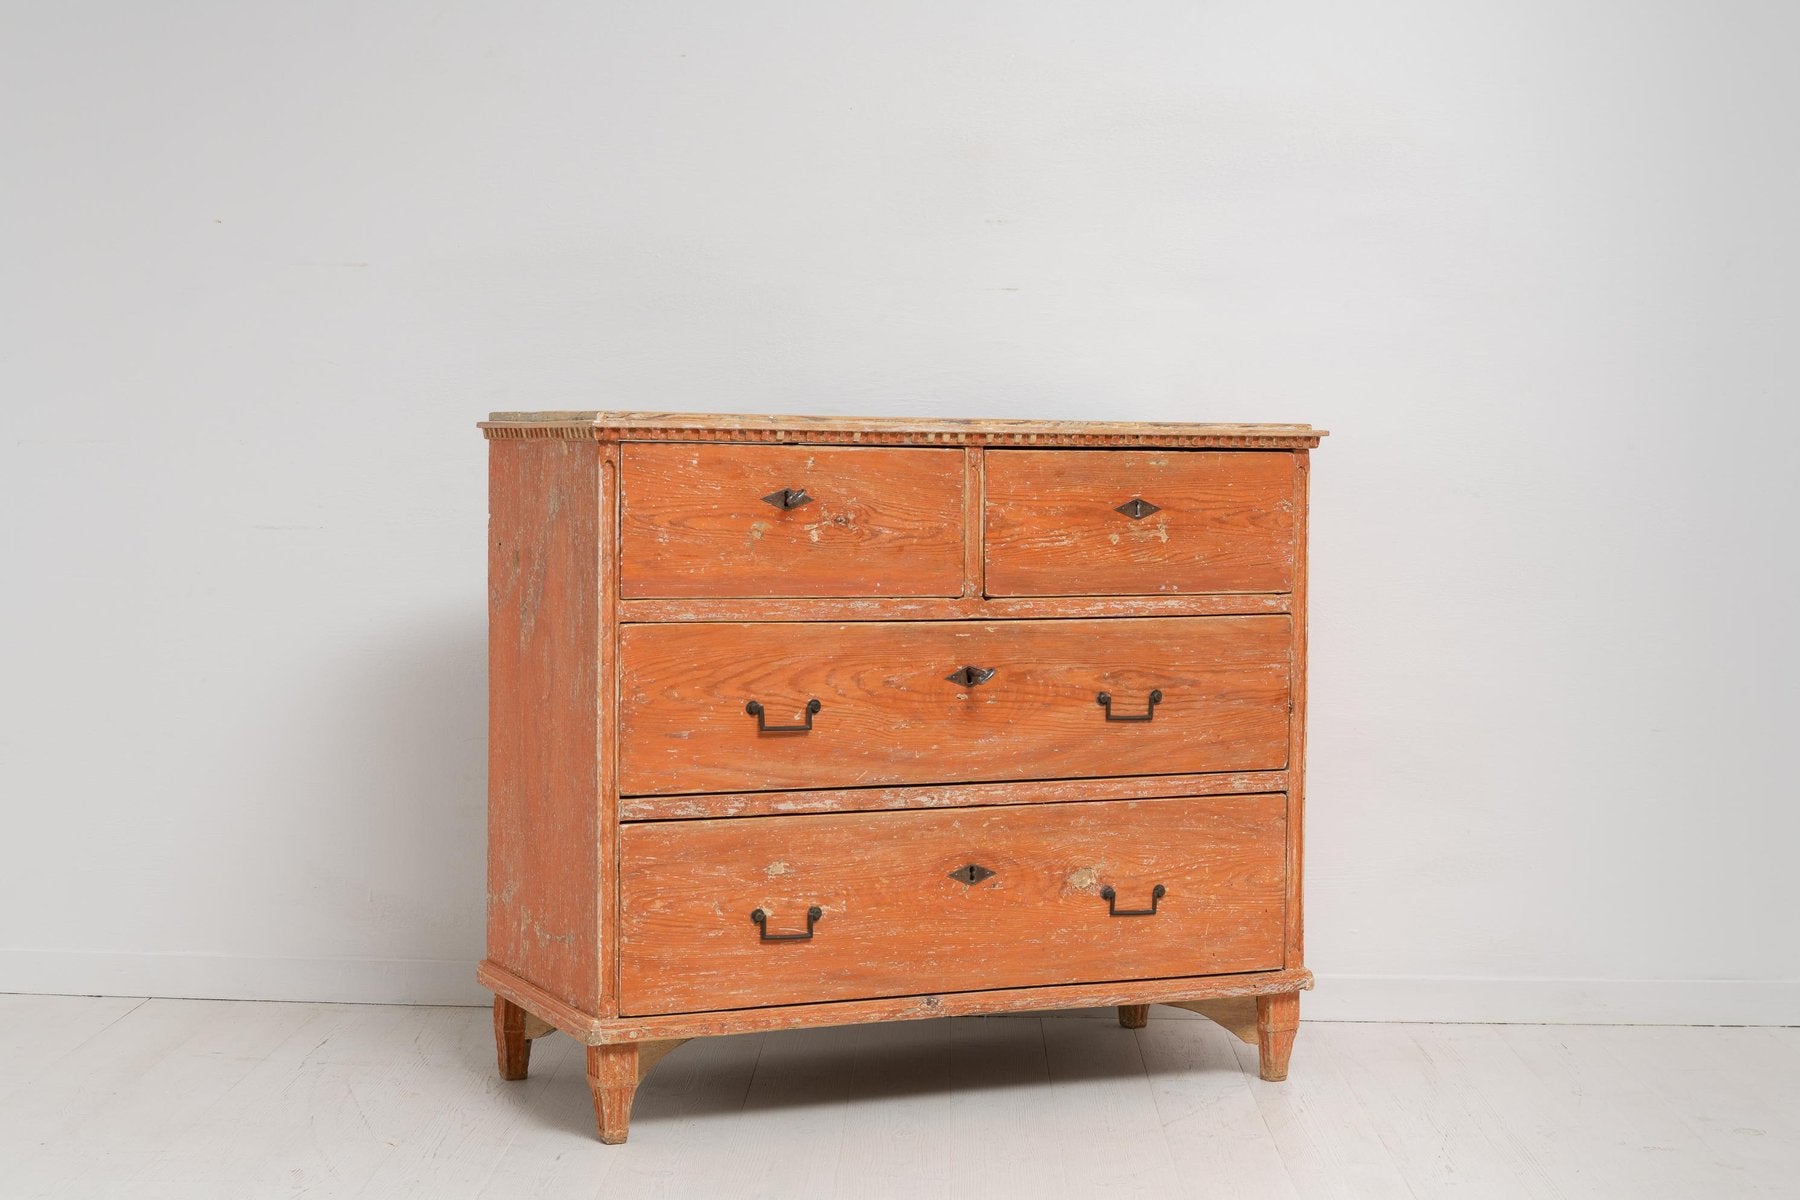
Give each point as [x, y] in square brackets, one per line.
[194, 1099]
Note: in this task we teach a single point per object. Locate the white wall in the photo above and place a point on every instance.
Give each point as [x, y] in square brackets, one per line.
[1533, 264]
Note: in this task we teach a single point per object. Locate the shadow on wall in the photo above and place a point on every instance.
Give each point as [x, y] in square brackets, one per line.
[389, 799]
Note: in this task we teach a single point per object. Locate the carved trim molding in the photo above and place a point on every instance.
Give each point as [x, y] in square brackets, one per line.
[1289, 437]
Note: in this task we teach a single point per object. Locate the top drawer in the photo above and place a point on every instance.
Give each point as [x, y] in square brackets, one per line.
[696, 520]
[1211, 521]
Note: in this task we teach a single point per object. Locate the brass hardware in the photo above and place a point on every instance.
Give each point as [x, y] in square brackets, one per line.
[971, 676]
[972, 874]
[788, 498]
[762, 926]
[1113, 910]
[755, 709]
[1137, 508]
[1104, 700]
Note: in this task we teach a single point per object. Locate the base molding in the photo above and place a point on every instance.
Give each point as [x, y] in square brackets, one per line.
[595, 1031]
[1337, 998]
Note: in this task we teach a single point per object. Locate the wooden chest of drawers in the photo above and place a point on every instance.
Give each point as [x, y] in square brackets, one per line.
[802, 721]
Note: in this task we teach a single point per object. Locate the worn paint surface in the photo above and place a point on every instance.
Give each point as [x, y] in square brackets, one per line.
[876, 522]
[544, 612]
[953, 544]
[889, 716]
[893, 916]
[1224, 522]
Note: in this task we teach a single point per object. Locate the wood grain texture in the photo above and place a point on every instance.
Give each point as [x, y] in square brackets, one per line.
[1236, 1014]
[919, 1007]
[638, 602]
[879, 522]
[612, 1075]
[1296, 909]
[1277, 1021]
[889, 715]
[544, 675]
[892, 915]
[1224, 522]
[953, 795]
[606, 742]
[558, 1013]
[512, 1048]
[962, 608]
[974, 474]
[651, 1053]
[738, 427]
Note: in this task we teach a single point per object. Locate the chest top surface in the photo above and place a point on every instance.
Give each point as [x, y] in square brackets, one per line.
[944, 431]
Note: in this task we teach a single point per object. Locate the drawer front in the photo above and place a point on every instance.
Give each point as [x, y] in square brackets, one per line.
[897, 913]
[694, 521]
[888, 713]
[1222, 522]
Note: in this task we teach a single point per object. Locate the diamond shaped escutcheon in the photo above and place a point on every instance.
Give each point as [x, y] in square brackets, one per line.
[972, 874]
[1137, 508]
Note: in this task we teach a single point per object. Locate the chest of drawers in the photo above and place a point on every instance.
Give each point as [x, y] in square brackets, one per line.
[802, 721]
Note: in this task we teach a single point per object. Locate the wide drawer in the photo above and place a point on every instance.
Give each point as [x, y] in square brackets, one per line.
[715, 914]
[1063, 523]
[755, 521]
[885, 710]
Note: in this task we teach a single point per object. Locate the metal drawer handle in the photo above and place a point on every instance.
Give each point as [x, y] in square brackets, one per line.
[762, 926]
[1112, 906]
[1104, 700]
[971, 676]
[788, 498]
[755, 709]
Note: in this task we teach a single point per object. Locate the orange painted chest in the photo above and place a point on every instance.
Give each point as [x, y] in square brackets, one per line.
[808, 721]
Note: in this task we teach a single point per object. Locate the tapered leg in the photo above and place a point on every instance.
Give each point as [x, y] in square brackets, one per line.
[511, 1045]
[1277, 1020]
[612, 1073]
[1134, 1016]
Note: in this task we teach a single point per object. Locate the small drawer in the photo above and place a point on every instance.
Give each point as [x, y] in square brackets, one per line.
[707, 707]
[719, 914]
[761, 521]
[1139, 523]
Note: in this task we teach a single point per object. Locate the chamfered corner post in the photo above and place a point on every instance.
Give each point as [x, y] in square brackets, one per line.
[1134, 1016]
[612, 1073]
[512, 1047]
[1277, 1020]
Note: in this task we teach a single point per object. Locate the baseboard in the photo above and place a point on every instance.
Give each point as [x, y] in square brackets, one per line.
[1555, 1001]
[1336, 997]
[236, 977]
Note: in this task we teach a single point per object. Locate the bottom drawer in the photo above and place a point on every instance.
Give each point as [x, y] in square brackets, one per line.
[895, 912]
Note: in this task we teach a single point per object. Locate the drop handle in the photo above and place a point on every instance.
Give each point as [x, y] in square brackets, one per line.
[1105, 700]
[755, 709]
[788, 498]
[1112, 902]
[762, 926]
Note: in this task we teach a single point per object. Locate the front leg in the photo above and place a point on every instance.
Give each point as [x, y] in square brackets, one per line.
[612, 1073]
[1277, 1020]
